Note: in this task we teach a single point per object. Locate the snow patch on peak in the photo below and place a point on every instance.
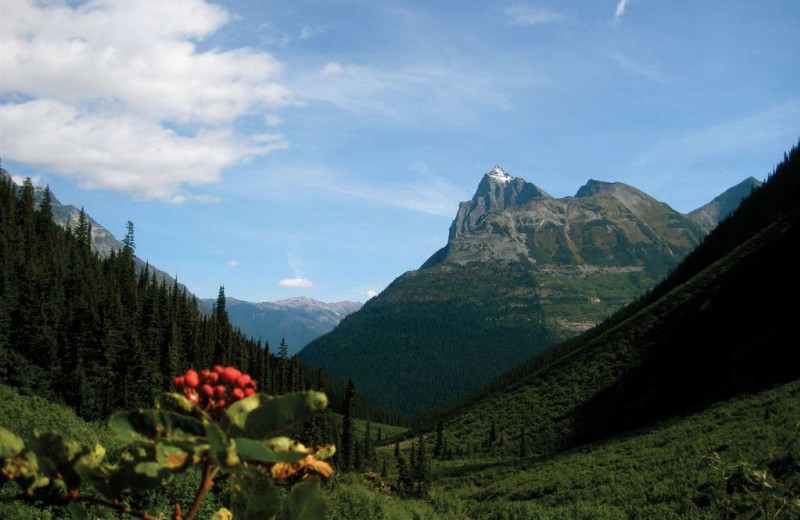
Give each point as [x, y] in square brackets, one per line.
[498, 174]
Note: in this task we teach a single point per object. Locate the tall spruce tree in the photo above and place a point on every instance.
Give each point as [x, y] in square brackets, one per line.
[348, 428]
[439, 448]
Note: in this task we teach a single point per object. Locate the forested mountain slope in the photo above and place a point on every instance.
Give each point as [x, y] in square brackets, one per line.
[522, 271]
[99, 335]
[715, 328]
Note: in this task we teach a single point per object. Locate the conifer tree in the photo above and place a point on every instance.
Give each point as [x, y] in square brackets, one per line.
[348, 428]
[522, 448]
[283, 367]
[439, 448]
[421, 469]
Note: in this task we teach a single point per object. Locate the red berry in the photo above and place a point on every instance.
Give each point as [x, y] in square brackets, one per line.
[218, 369]
[249, 391]
[207, 390]
[192, 379]
[221, 404]
[230, 374]
[238, 393]
[243, 381]
[219, 391]
[204, 374]
[177, 381]
[213, 377]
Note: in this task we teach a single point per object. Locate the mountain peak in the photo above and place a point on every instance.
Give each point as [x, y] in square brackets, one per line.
[499, 175]
[497, 191]
[711, 214]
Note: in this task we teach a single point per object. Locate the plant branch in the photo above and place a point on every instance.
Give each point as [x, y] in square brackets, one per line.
[209, 472]
[66, 498]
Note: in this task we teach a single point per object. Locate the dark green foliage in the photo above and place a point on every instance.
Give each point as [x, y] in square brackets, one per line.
[424, 352]
[93, 333]
[348, 446]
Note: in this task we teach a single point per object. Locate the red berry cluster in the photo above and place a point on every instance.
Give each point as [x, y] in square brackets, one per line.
[216, 388]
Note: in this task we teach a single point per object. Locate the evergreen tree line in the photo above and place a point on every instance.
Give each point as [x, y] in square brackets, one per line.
[99, 335]
[413, 473]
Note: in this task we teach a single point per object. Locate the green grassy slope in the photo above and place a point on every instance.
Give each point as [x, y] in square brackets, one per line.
[722, 332]
[660, 472]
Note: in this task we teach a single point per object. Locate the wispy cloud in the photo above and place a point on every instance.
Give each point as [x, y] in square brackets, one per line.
[643, 70]
[430, 194]
[101, 104]
[296, 283]
[620, 11]
[233, 263]
[370, 293]
[419, 94]
[526, 15]
[713, 143]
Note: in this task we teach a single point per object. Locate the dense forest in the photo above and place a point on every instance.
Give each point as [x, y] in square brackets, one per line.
[99, 335]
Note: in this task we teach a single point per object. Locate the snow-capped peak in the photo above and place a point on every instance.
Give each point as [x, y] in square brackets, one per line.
[498, 174]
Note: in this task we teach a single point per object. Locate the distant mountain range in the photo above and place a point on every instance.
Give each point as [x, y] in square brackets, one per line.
[297, 320]
[521, 272]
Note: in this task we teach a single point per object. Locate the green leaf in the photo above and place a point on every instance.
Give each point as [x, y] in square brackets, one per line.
[253, 496]
[265, 451]
[58, 457]
[138, 469]
[10, 444]
[179, 403]
[77, 511]
[223, 449]
[260, 416]
[148, 425]
[305, 502]
[222, 514]
[171, 457]
[24, 470]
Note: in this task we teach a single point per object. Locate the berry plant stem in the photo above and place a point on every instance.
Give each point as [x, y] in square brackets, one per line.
[209, 472]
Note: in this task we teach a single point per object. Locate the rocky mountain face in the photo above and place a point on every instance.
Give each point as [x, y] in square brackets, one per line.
[710, 215]
[296, 320]
[521, 272]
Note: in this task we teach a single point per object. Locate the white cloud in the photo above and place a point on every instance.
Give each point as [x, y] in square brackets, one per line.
[233, 263]
[370, 293]
[122, 151]
[306, 33]
[109, 78]
[272, 120]
[526, 15]
[296, 282]
[332, 69]
[19, 180]
[620, 11]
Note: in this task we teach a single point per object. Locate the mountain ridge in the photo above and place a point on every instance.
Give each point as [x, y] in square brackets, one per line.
[521, 272]
[298, 320]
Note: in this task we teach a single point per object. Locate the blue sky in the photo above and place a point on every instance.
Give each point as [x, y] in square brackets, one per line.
[320, 148]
